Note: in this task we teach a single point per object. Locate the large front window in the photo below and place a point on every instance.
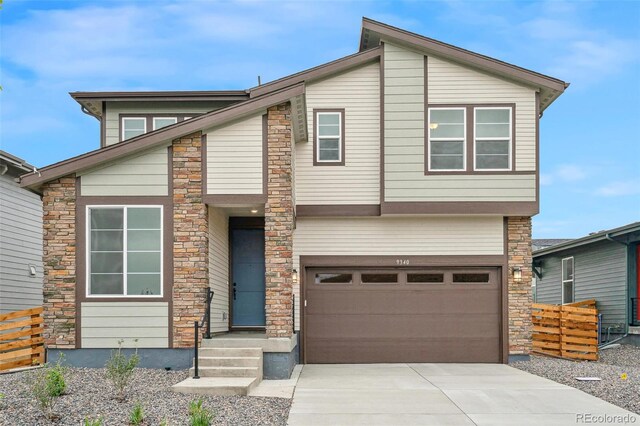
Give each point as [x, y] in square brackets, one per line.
[124, 251]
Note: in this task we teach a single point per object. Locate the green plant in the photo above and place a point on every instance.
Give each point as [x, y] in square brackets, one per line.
[120, 370]
[199, 415]
[55, 377]
[1, 400]
[43, 392]
[136, 416]
[164, 422]
[93, 422]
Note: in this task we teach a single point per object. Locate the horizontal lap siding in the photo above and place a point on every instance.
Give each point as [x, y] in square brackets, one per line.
[404, 152]
[145, 174]
[105, 323]
[219, 268]
[402, 236]
[234, 158]
[20, 246]
[358, 181]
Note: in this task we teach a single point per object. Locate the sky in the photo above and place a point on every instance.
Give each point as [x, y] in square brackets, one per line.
[590, 143]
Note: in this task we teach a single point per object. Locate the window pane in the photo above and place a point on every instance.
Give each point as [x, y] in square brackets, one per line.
[143, 240]
[446, 162]
[143, 218]
[379, 278]
[449, 147]
[450, 116]
[329, 119]
[160, 122]
[425, 277]
[492, 162]
[470, 278]
[106, 241]
[143, 284]
[334, 278]
[329, 150]
[143, 262]
[493, 115]
[446, 123]
[567, 292]
[106, 218]
[492, 130]
[492, 147]
[329, 144]
[110, 262]
[567, 269]
[134, 123]
[106, 284]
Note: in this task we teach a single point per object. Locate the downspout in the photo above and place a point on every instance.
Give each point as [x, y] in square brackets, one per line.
[609, 238]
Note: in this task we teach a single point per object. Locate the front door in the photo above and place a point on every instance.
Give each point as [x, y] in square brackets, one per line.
[248, 287]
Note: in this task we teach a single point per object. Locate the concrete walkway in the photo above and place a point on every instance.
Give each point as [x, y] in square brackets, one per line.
[439, 394]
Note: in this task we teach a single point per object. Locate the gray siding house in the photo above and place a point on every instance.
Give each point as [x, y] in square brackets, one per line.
[20, 239]
[601, 266]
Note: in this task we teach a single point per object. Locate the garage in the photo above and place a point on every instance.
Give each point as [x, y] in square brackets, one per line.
[402, 315]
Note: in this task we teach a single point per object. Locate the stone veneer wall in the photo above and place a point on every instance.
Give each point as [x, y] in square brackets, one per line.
[190, 239]
[279, 223]
[59, 258]
[520, 298]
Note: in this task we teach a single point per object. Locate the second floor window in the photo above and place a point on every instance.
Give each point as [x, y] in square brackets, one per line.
[447, 141]
[492, 139]
[159, 122]
[133, 126]
[329, 137]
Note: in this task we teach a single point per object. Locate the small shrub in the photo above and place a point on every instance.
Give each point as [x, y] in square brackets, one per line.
[1, 400]
[136, 417]
[93, 422]
[120, 370]
[43, 392]
[56, 377]
[199, 415]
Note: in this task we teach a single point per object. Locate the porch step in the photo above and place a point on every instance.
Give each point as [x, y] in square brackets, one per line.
[206, 352]
[230, 361]
[224, 386]
[254, 372]
[234, 342]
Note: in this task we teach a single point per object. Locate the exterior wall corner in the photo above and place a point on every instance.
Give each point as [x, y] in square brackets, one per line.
[519, 293]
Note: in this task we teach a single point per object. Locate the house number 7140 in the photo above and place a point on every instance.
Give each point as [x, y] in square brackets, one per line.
[402, 261]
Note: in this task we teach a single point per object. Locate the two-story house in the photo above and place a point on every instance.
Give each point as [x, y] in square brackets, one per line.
[376, 208]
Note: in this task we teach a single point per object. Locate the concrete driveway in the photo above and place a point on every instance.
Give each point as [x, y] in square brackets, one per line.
[440, 394]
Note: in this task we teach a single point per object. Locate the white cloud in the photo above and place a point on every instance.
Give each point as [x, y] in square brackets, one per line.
[620, 189]
[564, 173]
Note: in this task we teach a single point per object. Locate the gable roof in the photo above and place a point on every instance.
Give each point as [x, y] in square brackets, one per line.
[374, 32]
[539, 244]
[624, 234]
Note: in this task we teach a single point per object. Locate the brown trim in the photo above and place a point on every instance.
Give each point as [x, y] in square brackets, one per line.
[149, 119]
[343, 138]
[470, 140]
[320, 71]
[170, 226]
[505, 292]
[382, 126]
[239, 199]
[457, 53]
[203, 162]
[103, 125]
[160, 136]
[265, 155]
[318, 210]
[508, 208]
[214, 95]
[538, 114]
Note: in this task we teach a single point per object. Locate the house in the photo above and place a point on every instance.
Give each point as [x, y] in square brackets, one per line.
[376, 208]
[20, 238]
[601, 266]
[537, 244]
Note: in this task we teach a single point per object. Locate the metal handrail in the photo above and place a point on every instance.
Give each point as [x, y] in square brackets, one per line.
[293, 313]
[206, 321]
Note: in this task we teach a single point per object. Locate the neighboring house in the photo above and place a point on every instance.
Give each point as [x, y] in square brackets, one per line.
[601, 266]
[373, 209]
[537, 244]
[20, 238]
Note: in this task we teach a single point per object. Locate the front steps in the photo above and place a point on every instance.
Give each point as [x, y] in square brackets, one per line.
[224, 371]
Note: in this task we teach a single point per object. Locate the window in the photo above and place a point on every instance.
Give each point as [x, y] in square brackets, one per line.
[159, 122]
[471, 278]
[334, 278]
[124, 251]
[567, 280]
[378, 278]
[492, 138]
[329, 138]
[447, 139]
[425, 277]
[133, 126]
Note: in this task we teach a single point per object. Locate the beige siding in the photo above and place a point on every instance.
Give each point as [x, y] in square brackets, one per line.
[401, 236]
[105, 323]
[358, 181]
[219, 269]
[404, 130]
[234, 158]
[114, 109]
[145, 174]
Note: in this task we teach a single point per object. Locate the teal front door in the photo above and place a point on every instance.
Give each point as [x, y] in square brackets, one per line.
[248, 287]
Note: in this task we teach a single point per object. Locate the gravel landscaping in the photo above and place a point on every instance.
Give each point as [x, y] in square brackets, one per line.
[612, 365]
[89, 394]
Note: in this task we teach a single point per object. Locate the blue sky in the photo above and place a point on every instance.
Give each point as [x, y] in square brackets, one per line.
[590, 148]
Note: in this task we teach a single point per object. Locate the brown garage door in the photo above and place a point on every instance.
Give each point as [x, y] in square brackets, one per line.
[402, 315]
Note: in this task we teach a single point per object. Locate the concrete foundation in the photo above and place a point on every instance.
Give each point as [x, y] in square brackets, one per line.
[174, 359]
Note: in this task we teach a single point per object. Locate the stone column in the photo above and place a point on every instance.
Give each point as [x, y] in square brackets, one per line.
[59, 258]
[279, 223]
[519, 252]
[190, 239]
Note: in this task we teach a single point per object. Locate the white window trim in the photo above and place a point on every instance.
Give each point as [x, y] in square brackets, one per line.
[124, 242]
[163, 118]
[475, 138]
[124, 119]
[572, 280]
[340, 136]
[464, 139]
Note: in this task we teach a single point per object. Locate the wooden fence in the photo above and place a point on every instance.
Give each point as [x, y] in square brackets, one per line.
[567, 331]
[21, 340]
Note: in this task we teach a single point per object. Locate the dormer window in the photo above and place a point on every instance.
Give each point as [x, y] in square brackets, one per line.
[133, 126]
[329, 138]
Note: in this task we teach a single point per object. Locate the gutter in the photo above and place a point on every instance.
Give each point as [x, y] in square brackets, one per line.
[86, 111]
